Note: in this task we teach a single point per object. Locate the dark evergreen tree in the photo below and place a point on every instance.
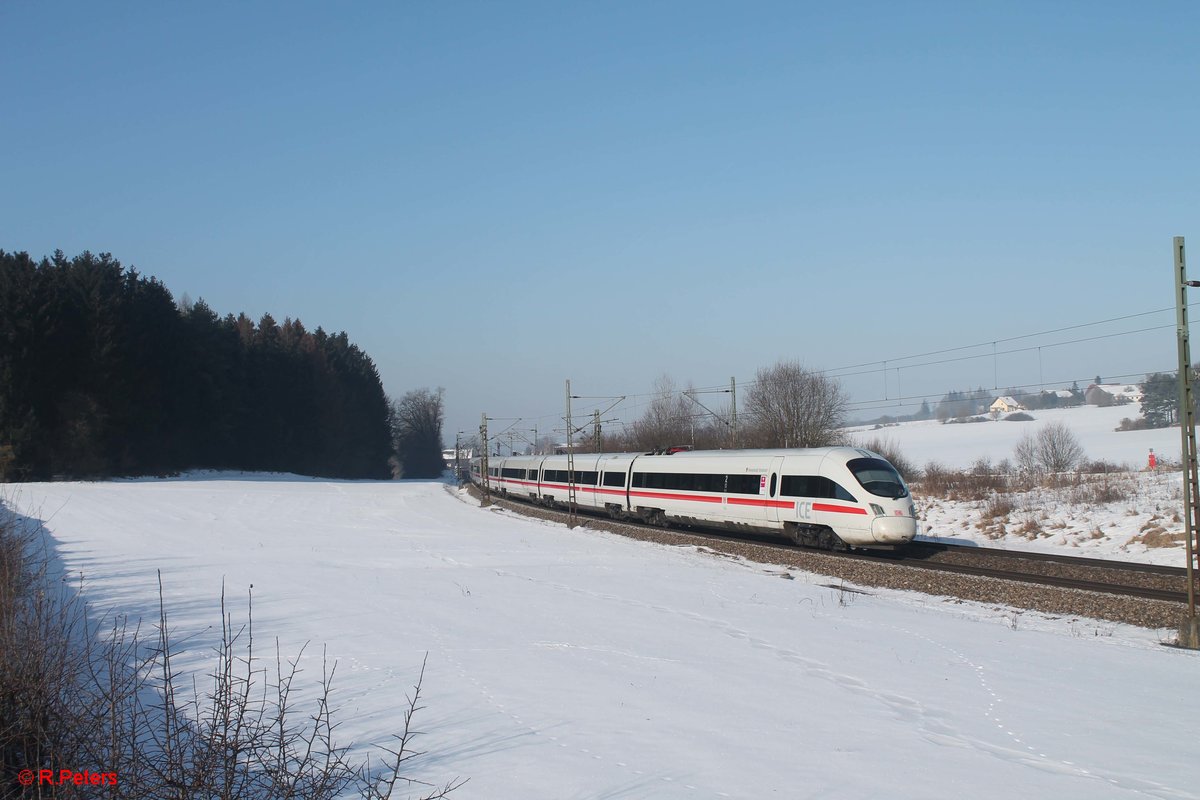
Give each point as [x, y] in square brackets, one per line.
[1160, 399]
[102, 373]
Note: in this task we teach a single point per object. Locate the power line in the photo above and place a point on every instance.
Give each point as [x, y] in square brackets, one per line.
[634, 402]
[1008, 339]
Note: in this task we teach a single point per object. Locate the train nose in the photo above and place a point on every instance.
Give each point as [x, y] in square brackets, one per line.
[893, 530]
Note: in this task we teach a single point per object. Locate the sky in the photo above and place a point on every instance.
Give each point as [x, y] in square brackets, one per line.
[582, 664]
[495, 198]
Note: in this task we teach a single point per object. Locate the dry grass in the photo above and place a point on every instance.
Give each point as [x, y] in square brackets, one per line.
[938, 481]
[997, 507]
[77, 694]
[1159, 537]
[1030, 528]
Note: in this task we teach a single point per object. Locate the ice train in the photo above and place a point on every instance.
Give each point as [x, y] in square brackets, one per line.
[829, 497]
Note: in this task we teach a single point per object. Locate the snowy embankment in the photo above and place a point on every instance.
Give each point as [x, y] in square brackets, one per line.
[1144, 524]
[581, 664]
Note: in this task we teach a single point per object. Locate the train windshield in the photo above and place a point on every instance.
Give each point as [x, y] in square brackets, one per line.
[878, 477]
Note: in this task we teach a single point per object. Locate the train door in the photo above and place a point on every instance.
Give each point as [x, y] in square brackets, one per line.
[774, 478]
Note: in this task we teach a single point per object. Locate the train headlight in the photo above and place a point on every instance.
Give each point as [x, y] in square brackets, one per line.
[878, 509]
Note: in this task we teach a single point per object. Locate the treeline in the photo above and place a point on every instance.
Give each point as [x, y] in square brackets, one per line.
[102, 373]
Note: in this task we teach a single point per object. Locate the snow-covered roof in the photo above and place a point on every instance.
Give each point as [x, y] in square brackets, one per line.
[1130, 390]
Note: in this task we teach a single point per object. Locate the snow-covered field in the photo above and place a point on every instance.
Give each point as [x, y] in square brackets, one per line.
[960, 445]
[576, 664]
[1056, 521]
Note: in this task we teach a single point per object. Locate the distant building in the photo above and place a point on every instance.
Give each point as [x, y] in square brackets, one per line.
[1112, 394]
[1004, 405]
[464, 457]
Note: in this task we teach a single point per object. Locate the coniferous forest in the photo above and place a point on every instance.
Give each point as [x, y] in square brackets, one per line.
[102, 374]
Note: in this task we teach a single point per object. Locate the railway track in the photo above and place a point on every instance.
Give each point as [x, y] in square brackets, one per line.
[1126, 579]
[1111, 578]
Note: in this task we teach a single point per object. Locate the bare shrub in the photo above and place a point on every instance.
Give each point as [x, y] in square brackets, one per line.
[982, 466]
[976, 484]
[1102, 488]
[1030, 528]
[1100, 466]
[890, 451]
[1058, 447]
[70, 696]
[1025, 453]
[935, 480]
[1053, 449]
[997, 507]
[1157, 537]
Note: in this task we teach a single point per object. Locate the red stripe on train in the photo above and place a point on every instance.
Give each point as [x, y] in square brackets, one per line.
[838, 509]
[740, 501]
[666, 496]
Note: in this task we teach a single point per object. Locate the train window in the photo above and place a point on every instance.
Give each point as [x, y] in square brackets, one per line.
[532, 475]
[684, 481]
[511, 472]
[586, 477]
[813, 486]
[773, 476]
[878, 477]
[614, 479]
[742, 484]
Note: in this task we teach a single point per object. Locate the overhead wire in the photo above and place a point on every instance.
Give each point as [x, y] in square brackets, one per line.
[635, 401]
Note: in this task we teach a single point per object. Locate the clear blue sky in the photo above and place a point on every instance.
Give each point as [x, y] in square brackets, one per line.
[494, 197]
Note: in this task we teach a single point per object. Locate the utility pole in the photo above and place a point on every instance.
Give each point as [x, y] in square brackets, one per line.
[733, 410]
[483, 464]
[457, 468]
[572, 514]
[1189, 631]
[596, 428]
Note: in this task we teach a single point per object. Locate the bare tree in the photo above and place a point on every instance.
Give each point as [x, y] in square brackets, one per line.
[416, 421]
[1058, 448]
[1025, 453]
[667, 421]
[1055, 448]
[790, 406]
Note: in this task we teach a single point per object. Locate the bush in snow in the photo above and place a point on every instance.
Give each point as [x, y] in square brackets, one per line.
[1053, 449]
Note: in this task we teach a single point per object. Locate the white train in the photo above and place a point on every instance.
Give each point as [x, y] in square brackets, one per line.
[831, 497]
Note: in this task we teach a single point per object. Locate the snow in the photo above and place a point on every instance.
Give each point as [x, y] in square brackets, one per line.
[578, 664]
[1066, 520]
[959, 445]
